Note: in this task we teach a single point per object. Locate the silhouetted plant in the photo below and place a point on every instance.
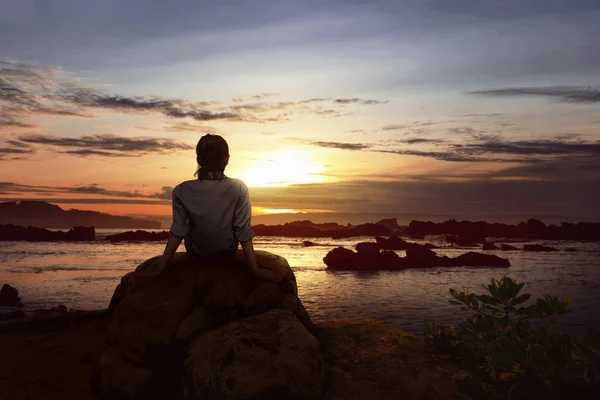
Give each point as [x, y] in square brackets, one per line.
[509, 348]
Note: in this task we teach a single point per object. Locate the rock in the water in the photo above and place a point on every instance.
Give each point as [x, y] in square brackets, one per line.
[505, 247]
[571, 250]
[158, 323]
[32, 234]
[139, 236]
[417, 256]
[308, 243]
[268, 356]
[9, 296]
[538, 247]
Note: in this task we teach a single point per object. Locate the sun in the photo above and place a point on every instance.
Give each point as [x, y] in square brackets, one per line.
[283, 168]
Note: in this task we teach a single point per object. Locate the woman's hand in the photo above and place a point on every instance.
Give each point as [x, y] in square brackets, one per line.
[270, 274]
[265, 273]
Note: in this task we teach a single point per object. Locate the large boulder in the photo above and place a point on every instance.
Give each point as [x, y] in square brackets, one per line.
[9, 296]
[209, 328]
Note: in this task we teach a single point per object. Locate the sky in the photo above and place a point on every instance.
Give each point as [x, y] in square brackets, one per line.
[464, 108]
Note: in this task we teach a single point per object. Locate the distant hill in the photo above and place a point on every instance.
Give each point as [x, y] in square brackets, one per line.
[45, 215]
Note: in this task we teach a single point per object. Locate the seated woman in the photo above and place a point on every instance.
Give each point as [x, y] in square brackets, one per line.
[212, 213]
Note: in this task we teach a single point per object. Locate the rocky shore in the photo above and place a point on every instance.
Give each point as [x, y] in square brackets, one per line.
[214, 331]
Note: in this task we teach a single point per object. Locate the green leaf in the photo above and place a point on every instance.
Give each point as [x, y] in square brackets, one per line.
[519, 300]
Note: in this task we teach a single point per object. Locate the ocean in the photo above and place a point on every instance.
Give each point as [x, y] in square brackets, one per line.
[84, 275]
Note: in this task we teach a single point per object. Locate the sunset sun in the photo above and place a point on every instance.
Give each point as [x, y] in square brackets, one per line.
[282, 168]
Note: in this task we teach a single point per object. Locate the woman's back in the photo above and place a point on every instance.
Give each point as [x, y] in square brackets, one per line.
[213, 215]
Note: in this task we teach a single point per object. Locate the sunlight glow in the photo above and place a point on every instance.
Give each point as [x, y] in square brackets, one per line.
[283, 168]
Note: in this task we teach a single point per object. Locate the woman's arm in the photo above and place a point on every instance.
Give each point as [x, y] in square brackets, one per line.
[274, 275]
[170, 249]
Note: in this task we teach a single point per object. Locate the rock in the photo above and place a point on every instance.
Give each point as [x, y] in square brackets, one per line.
[268, 356]
[367, 249]
[32, 234]
[390, 223]
[417, 256]
[308, 243]
[9, 296]
[506, 247]
[538, 247]
[308, 229]
[139, 236]
[489, 246]
[392, 243]
[571, 249]
[341, 258]
[473, 259]
[160, 326]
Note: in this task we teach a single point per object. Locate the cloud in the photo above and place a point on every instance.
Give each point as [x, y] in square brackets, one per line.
[108, 145]
[462, 131]
[187, 127]
[571, 94]
[28, 90]
[360, 101]
[332, 145]
[394, 127]
[421, 141]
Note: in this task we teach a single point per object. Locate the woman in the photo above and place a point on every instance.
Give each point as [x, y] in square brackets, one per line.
[212, 213]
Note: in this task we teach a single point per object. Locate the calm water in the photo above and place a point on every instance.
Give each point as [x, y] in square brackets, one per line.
[84, 275]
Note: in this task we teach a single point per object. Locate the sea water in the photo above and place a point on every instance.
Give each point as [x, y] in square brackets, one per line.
[83, 275]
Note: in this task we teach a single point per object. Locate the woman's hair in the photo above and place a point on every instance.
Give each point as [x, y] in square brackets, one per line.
[211, 153]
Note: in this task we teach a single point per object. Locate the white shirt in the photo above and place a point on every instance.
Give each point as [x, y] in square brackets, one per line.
[213, 215]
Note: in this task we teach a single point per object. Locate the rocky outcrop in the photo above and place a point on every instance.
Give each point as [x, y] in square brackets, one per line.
[506, 247]
[368, 257]
[538, 247]
[308, 243]
[30, 234]
[9, 296]
[139, 236]
[309, 229]
[476, 232]
[209, 329]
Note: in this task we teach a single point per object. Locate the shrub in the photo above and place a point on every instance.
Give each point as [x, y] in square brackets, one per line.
[509, 348]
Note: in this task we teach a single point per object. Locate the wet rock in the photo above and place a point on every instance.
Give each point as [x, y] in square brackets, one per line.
[308, 243]
[506, 247]
[12, 315]
[571, 250]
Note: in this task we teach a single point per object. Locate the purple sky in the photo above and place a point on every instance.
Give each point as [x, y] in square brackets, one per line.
[425, 106]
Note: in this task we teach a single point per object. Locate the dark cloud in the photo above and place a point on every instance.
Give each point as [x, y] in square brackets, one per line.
[571, 94]
[421, 141]
[108, 145]
[13, 189]
[187, 127]
[339, 145]
[333, 145]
